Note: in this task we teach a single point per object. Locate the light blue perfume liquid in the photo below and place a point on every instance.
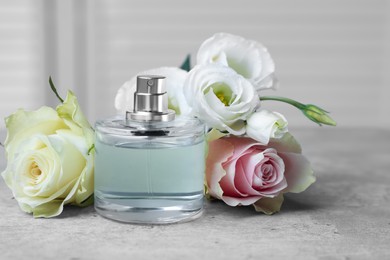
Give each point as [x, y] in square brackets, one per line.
[149, 179]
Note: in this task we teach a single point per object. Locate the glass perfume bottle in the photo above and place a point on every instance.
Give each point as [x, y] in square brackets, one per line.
[149, 166]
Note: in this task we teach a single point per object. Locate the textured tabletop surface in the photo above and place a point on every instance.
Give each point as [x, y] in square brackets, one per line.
[344, 215]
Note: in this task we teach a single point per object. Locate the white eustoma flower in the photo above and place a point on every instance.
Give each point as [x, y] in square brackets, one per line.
[220, 97]
[248, 58]
[175, 78]
[264, 125]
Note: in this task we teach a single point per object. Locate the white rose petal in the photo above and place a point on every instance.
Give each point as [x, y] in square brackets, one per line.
[45, 169]
[263, 125]
[175, 78]
[220, 97]
[248, 58]
[48, 160]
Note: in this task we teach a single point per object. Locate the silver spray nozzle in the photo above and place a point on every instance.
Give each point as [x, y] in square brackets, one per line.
[151, 100]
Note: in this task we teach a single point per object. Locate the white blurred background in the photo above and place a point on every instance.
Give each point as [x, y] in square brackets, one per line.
[335, 54]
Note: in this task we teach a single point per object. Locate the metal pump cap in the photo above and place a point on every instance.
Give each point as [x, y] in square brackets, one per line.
[151, 100]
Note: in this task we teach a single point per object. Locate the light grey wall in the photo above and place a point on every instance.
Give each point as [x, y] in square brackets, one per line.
[331, 53]
[20, 56]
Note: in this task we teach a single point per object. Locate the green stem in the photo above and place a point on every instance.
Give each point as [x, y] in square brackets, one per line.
[285, 100]
[53, 88]
[313, 112]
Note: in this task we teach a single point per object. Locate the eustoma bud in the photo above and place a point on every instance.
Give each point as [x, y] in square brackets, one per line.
[318, 115]
[313, 112]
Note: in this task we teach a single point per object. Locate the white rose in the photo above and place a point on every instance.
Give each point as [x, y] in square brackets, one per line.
[175, 78]
[48, 160]
[248, 58]
[220, 97]
[263, 125]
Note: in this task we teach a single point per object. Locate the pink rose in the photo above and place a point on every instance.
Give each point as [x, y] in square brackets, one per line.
[241, 171]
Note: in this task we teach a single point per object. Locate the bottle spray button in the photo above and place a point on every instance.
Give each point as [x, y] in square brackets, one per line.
[150, 100]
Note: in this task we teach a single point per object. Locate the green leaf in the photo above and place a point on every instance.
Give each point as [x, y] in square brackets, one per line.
[186, 65]
[54, 89]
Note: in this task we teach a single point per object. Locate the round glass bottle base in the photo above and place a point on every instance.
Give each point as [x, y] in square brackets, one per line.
[150, 209]
[149, 172]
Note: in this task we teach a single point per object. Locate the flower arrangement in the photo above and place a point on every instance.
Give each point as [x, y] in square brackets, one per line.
[252, 158]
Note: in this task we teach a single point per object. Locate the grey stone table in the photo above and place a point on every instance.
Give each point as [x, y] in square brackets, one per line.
[344, 215]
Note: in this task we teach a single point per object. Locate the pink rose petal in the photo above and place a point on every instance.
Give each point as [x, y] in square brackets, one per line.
[241, 181]
[250, 162]
[227, 181]
[232, 201]
[240, 144]
[299, 174]
[245, 172]
[219, 152]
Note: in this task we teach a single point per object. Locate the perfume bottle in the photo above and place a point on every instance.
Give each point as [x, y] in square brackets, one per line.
[150, 164]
